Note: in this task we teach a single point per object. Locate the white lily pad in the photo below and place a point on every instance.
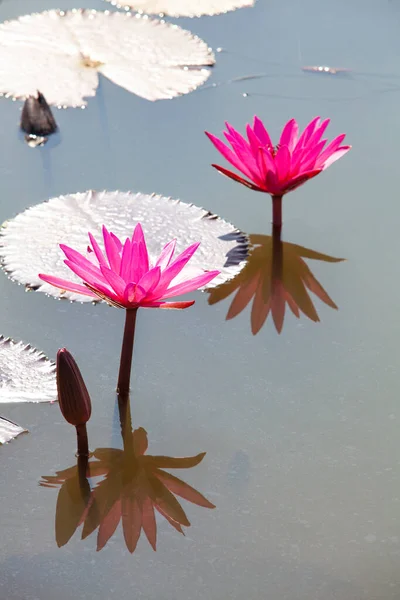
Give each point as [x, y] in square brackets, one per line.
[182, 8]
[9, 430]
[29, 243]
[26, 375]
[61, 53]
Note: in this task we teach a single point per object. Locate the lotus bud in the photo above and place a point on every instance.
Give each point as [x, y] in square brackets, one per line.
[73, 397]
[37, 120]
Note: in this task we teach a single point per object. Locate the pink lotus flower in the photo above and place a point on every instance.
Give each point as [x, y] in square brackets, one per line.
[279, 169]
[124, 277]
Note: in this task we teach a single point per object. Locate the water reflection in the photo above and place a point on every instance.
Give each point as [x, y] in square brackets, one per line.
[132, 488]
[275, 276]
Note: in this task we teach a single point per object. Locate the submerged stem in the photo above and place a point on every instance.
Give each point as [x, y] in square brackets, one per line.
[125, 418]
[277, 255]
[277, 211]
[82, 465]
[83, 474]
[124, 375]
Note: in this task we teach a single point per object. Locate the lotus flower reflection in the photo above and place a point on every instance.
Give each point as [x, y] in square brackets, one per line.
[275, 276]
[124, 277]
[133, 488]
[277, 170]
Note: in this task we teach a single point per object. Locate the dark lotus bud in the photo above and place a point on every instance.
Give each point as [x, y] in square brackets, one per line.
[73, 396]
[37, 118]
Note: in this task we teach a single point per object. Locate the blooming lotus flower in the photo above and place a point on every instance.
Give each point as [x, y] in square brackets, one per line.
[279, 169]
[124, 277]
[275, 276]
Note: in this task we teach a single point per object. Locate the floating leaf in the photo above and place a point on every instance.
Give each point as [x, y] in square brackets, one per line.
[9, 430]
[29, 244]
[26, 375]
[183, 8]
[61, 53]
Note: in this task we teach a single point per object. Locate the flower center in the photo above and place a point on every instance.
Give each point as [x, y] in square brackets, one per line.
[87, 62]
[273, 150]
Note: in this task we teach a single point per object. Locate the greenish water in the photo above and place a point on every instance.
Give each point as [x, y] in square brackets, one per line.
[301, 429]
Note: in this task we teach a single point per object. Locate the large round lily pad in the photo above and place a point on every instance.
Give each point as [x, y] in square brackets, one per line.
[183, 8]
[61, 53]
[9, 430]
[26, 375]
[29, 244]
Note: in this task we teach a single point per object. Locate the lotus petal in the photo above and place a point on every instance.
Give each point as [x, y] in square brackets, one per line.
[26, 375]
[61, 53]
[68, 219]
[183, 8]
[9, 430]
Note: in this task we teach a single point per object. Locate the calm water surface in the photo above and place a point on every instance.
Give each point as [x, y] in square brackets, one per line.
[301, 429]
